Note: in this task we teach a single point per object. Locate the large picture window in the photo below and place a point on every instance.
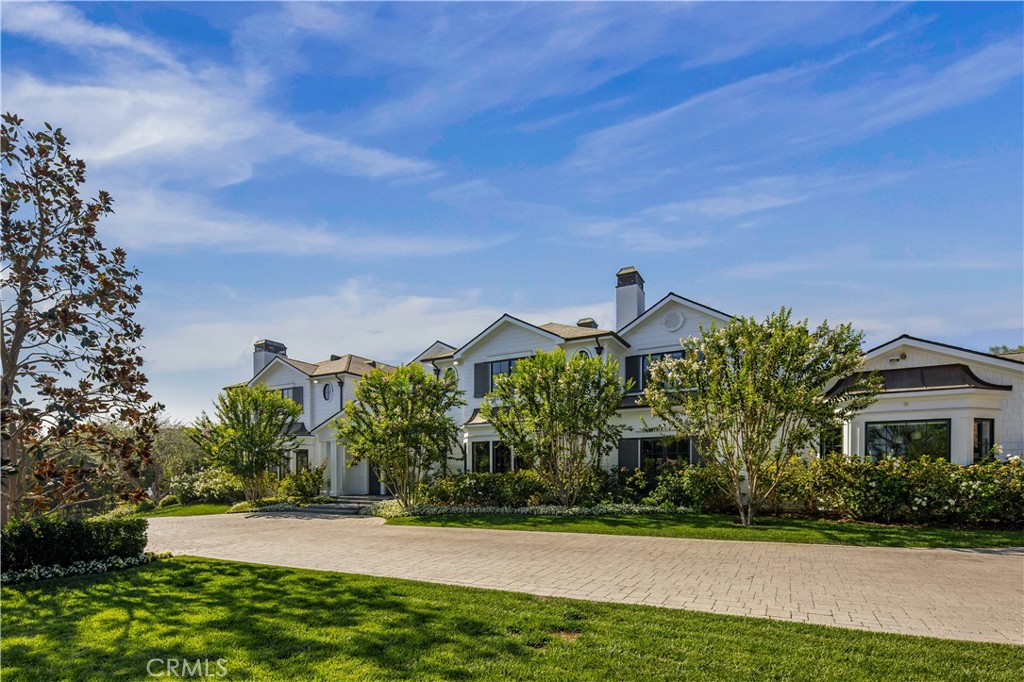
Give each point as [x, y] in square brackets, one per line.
[491, 456]
[908, 439]
[658, 451]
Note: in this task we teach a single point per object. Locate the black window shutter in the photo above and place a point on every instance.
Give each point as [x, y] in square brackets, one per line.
[633, 372]
[629, 453]
[297, 395]
[481, 379]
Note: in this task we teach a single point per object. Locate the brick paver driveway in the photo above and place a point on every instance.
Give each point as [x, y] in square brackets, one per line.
[958, 594]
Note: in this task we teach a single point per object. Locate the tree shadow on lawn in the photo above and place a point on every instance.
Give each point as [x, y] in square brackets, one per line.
[266, 622]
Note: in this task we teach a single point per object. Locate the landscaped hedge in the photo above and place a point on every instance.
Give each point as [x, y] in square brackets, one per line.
[211, 485]
[50, 541]
[922, 491]
[512, 489]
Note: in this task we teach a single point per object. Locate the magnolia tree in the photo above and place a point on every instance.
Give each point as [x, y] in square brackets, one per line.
[253, 431]
[755, 394]
[70, 347]
[399, 423]
[556, 415]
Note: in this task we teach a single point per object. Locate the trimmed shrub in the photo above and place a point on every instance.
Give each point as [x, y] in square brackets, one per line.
[687, 486]
[212, 485]
[52, 541]
[145, 505]
[512, 489]
[169, 501]
[921, 491]
[308, 484]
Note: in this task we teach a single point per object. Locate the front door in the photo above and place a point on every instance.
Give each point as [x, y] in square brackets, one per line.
[374, 488]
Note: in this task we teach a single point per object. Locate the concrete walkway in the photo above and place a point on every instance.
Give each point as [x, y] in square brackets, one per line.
[955, 594]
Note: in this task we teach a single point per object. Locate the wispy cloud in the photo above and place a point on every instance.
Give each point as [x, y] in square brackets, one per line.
[783, 113]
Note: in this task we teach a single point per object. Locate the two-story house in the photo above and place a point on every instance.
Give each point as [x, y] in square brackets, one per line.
[951, 402]
[642, 335]
[321, 389]
[947, 401]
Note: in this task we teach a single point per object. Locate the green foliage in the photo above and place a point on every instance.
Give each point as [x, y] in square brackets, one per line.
[173, 454]
[169, 501]
[212, 485]
[145, 505]
[304, 486]
[53, 541]
[512, 489]
[923, 491]
[399, 423]
[754, 394]
[556, 414]
[1003, 349]
[251, 434]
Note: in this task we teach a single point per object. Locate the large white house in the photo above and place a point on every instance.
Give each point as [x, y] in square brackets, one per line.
[321, 389]
[946, 401]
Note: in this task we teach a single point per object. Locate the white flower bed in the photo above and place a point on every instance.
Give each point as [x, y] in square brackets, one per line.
[254, 507]
[389, 509]
[78, 568]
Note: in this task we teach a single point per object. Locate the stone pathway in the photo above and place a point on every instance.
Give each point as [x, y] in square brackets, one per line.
[955, 594]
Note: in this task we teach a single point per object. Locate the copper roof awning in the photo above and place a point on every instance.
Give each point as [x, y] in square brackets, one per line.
[930, 378]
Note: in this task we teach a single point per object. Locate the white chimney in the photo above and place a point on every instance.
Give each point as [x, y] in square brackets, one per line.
[629, 296]
[264, 351]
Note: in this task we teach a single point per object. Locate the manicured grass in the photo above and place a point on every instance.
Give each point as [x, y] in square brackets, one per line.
[270, 623]
[187, 510]
[723, 527]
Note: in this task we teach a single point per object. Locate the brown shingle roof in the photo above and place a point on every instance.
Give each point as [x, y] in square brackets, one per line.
[351, 364]
[438, 356]
[572, 331]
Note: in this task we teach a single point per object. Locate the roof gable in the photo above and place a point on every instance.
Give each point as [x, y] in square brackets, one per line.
[281, 362]
[671, 298]
[436, 350]
[506, 319]
[943, 349]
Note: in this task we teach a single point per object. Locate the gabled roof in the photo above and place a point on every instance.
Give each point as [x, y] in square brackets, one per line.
[506, 319]
[573, 332]
[553, 330]
[435, 351]
[927, 378]
[344, 364]
[674, 297]
[945, 348]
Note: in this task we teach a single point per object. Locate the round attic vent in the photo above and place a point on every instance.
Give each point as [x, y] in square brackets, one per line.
[672, 321]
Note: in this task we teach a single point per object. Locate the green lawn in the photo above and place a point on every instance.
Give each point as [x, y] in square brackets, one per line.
[187, 510]
[724, 527]
[271, 623]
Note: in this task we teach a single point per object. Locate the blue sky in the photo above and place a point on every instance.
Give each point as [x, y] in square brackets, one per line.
[367, 178]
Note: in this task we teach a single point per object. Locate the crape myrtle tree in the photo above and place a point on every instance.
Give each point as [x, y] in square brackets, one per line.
[399, 423]
[70, 342]
[252, 431]
[754, 395]
[556, 415]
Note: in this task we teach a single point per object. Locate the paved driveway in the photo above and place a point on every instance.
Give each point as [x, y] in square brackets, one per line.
[957, 594]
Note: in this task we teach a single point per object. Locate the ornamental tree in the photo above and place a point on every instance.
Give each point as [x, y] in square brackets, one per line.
[69, 342]
[252, 432]
[399, 424]
[754, 395]
[556, 415]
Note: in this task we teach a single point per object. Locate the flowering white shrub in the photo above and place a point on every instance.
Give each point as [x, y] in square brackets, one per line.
[389, 509]
[79, 568]
[249, 507]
